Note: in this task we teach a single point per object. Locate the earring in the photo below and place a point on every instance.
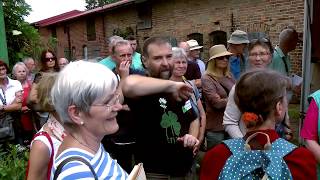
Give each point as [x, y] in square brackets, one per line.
[81, 123]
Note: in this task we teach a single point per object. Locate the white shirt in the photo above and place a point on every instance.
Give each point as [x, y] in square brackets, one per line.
[232, 118]
[13, 86]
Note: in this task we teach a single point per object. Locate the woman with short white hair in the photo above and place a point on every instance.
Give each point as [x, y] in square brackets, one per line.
[20, 73]
[86, 98]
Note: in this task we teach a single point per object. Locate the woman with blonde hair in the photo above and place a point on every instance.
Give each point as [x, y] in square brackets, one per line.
[216, 84]
[46, 142]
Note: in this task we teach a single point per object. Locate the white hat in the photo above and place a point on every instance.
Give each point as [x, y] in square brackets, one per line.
[193, 44]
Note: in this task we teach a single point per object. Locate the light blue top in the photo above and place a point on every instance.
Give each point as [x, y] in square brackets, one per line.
[136, 62]
[202, 66]
[104, 166]
[236, 66]
[277, 63]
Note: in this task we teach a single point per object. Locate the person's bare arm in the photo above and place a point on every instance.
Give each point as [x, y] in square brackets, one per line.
[38, 159]
[190, 140]
[314, 147]
[203, 121]
[136, 86]
[197, 82]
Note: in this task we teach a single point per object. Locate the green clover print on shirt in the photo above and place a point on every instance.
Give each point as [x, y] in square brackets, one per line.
[169, 120]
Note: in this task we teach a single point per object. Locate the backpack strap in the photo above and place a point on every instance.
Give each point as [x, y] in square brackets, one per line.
[45, 134]
[253, 164]
[73, 158]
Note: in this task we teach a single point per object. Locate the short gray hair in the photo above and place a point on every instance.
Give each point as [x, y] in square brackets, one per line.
[119, 43]
[113, 39]
[178, 53]
[27, 59]
[81, 83]
[16, 66]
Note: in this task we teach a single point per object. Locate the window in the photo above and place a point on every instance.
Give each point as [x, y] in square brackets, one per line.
[218, 37]
[144, 10]
[198, 37]
[172, 41]
[67, 53]
[91, 29]
[54, 32]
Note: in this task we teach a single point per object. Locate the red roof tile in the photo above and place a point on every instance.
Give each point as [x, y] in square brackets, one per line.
[76, 14]
[55, 19]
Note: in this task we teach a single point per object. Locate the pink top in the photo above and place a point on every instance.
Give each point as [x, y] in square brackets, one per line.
[310, 125]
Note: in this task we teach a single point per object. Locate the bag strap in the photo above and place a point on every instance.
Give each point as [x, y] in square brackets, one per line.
[3, 98]
[284, 62]
[73, 158]
[45, 134]
[223, 86]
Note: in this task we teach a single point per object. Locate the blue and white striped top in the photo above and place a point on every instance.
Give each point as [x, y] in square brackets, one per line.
[104, 166]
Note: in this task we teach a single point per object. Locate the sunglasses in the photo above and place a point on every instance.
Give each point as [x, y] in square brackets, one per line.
[50, 59]
[222, 57]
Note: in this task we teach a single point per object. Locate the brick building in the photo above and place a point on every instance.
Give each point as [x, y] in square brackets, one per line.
[82, 35]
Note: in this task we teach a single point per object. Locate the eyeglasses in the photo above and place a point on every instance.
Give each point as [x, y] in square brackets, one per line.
[50, 59]
[114, 101]
[262, 54]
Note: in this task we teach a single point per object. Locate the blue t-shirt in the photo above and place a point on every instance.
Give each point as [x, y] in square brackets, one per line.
[236, 66]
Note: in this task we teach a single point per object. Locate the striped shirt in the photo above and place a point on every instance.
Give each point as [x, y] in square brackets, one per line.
[104, 166]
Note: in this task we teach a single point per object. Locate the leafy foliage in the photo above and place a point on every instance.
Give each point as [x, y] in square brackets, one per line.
[91, 4]
[26, 44]
[13, 162]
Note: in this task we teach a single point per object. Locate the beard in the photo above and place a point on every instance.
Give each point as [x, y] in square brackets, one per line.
[165, 74]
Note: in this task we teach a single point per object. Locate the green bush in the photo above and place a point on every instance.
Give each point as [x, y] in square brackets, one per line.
[13, 162]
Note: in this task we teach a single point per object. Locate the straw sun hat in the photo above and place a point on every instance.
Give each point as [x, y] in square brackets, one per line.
[218, 51]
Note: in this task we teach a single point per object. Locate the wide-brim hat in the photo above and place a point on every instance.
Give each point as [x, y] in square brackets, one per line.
[218, 51]
[193, 44]
[239, 37]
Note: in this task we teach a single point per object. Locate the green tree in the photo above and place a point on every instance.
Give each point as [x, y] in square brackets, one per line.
[91, 4]
[27, 43]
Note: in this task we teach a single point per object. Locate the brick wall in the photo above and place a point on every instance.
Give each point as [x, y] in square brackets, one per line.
[179, 18]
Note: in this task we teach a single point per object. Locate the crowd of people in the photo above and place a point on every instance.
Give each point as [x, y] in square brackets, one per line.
[162, 108]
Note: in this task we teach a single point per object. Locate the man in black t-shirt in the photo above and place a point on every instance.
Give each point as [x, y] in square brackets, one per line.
[166, 128]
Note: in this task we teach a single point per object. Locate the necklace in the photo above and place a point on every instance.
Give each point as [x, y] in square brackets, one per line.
[83, 144]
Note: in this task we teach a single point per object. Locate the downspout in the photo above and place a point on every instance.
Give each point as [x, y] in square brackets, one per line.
[3, 41]
[103, 33]
[306, 63]
[69, 43]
